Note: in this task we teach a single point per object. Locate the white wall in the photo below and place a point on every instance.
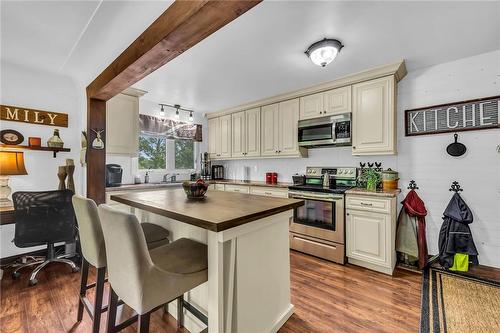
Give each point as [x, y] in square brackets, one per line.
[32, 88]
[129, 164]
[424, 158]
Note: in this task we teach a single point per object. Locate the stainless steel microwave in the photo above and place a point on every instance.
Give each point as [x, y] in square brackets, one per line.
[325, 131]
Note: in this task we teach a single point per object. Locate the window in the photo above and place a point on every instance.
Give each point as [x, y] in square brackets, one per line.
[158, 153]
[152, 152]
[184, 154]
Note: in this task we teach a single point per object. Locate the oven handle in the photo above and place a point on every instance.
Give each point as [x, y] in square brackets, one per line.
[315, 197]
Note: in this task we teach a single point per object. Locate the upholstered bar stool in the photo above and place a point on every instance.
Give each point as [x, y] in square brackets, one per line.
[147, 280]
[94, 253]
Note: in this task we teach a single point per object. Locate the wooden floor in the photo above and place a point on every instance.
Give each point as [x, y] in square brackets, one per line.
[327, 298]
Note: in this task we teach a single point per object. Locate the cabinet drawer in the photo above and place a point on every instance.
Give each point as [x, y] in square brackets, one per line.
[237, 188]
[270, 192]
[322, 249]
[367, 203]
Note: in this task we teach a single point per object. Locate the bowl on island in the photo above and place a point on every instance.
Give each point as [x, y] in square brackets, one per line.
[195, 190]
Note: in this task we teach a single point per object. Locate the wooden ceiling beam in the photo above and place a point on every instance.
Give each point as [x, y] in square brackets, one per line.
[181, 26]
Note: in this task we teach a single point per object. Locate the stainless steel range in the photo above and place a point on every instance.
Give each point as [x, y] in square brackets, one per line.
[318, 227]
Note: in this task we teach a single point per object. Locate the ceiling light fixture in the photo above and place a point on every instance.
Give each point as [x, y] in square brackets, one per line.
[162, 110]
[177, 107]
[191, 116]
[324, 51]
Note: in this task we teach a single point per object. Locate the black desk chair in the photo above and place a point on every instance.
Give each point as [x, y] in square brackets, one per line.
[44, 218]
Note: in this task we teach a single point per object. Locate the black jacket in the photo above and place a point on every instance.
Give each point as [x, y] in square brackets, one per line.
[455, 235]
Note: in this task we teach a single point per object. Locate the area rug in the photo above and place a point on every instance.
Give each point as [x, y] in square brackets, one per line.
[456, 303]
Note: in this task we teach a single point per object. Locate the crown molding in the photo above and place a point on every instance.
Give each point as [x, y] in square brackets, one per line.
[398, 69]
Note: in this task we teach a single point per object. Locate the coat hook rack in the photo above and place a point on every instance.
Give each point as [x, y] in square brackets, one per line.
[412, 185]
[455, 187]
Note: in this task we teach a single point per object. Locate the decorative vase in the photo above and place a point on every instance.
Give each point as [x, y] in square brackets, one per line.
[61, 174]
[55, 141]
[70, 170]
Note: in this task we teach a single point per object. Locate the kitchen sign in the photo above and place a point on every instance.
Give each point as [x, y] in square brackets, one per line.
[32, 116]
[454, 117]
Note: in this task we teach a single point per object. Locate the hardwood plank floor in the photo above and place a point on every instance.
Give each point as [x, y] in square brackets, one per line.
[327, 298]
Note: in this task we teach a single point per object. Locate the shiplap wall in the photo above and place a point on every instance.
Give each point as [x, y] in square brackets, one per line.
[424, 158]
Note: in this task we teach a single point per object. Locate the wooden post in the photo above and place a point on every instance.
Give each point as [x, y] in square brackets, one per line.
[96, 158]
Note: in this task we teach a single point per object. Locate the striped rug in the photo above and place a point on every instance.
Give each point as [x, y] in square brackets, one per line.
[455, 303]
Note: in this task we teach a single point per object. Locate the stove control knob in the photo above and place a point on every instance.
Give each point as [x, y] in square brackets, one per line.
[341, 171]
[351, 172]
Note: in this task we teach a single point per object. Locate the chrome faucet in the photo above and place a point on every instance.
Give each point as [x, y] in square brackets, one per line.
[165, 178]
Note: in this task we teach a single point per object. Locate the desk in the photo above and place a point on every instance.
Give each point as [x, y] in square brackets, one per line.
[7, 215]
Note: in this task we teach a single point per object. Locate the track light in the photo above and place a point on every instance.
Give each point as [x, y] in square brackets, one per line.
[191, 116]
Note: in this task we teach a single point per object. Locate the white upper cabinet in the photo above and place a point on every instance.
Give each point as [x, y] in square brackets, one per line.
[312, 106]
[374, 117]
[279, 129]
[246, 133]
[269, 130]
[122, 125]
[288, 127]
[338, 101]
[253, 132]
[219, 137]
[326, 103]
[213, 138]
[239, 134]
[225, 136]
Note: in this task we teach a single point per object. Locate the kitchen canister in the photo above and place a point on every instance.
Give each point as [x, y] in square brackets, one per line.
[390, 179]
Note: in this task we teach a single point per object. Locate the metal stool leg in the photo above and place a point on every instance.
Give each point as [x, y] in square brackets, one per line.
[83, 288]
[180, 311]
[143, 323]
[112, 305]
[99, 291]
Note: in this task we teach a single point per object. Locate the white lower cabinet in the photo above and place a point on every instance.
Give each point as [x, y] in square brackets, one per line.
[269, 191]
[371, 232]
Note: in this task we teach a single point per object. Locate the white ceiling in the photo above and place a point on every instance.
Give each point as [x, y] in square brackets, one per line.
[259, 54]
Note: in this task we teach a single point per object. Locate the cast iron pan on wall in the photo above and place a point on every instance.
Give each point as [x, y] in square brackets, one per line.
[456, 148]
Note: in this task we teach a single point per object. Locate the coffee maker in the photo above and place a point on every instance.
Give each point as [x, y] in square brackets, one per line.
[205, 166]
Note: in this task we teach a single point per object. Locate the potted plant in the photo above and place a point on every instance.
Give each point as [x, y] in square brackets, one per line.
[372, 178]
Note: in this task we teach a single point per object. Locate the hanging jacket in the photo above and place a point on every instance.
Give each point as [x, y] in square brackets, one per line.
[455, 235]
[410, 236]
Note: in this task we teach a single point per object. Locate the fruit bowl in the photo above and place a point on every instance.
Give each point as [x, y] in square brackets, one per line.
[195, 190]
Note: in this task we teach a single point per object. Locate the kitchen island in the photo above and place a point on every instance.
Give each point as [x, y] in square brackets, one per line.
[248, 288]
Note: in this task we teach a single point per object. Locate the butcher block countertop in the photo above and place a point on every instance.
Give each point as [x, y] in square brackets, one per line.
[378, 193]
[219, 211]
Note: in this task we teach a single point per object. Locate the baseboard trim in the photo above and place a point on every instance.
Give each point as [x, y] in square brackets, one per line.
[282, 319]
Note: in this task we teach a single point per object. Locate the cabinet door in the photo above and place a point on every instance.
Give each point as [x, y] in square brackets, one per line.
[122, 125]
[225, 136]
[269, 130]
[288, 127]
[253, 132]
[311, 106]
[374, 117]
[338, 101]
[367, 236]
[238, 127]
[213, 138]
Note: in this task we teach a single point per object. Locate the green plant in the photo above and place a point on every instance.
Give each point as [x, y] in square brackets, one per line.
[372, 178]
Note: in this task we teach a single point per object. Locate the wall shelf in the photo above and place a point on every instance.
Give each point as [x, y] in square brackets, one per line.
[52, 149]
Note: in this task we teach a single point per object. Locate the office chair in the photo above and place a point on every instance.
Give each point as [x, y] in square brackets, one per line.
[43, 218]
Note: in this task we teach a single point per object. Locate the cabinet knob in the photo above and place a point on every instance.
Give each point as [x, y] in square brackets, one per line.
[353, 147]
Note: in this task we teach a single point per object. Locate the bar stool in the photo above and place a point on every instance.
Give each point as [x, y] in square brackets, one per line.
[147, 280]
[94, 253]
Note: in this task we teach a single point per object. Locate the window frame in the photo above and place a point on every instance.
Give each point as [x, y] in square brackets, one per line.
[170, 158]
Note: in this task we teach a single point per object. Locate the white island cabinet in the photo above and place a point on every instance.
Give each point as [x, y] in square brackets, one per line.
[248, 288]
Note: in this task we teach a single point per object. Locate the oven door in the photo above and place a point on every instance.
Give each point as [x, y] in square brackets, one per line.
[316, 132]
[321, 216]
